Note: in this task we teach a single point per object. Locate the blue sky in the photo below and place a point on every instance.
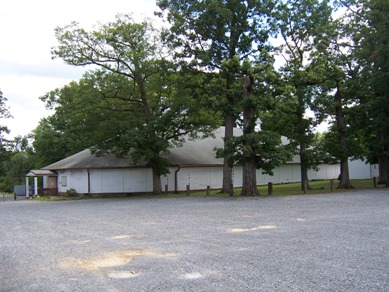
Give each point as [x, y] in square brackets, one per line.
[27, 36]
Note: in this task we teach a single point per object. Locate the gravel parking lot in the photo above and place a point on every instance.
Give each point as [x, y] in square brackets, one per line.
[332, 242]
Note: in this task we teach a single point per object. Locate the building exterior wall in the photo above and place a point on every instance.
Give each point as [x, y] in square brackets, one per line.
[324, 172]
[106, 181]
[138, 180]
[360, 170]
[120, 180]
[197, 177]
[77, 180]
[283, 174]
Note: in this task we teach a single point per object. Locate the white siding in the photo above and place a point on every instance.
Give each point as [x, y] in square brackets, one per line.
[359, 169]
[96, 181]
[197, 177]
[324, 172]
[374, 170]
[121, 180]
[136, 180]
[77, 180]
[238, 177]
[283, 174]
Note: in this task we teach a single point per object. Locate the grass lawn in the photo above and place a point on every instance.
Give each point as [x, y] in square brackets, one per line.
[317, 187]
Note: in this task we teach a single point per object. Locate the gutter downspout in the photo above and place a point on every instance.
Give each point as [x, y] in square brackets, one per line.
[88, 181]
[175, 180]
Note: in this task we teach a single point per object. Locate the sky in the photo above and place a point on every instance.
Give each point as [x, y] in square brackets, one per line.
[27, 70]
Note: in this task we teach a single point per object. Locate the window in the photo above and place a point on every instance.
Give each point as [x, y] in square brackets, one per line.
[64, 181]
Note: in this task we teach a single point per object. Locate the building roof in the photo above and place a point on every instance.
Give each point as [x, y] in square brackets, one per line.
[41, 172]
[199, 152]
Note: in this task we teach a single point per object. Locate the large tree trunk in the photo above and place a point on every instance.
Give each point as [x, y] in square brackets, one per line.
[229, 123]
[386, 142]
[249, 187]
[387, 171]
[303, 168]
[344, 181]
[227, 171]
[157, 187]
[301, 130]
[381, 169]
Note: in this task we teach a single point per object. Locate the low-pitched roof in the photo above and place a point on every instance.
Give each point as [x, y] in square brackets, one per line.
[41, 172]
[200, 152]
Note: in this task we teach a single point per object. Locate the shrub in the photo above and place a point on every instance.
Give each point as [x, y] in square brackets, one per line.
[71, 192]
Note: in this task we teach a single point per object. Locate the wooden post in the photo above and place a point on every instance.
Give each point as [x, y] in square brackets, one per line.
[166, 189]
[332, 185]
[187, 190]
[208, 189]
[375, 182]
[231, 190]
[269, 188]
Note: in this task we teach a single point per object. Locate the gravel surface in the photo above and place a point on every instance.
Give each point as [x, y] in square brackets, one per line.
[331, 242]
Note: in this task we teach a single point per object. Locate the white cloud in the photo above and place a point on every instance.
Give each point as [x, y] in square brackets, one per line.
[27, 36]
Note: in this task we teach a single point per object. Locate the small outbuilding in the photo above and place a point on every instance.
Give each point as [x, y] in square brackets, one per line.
[49, 182]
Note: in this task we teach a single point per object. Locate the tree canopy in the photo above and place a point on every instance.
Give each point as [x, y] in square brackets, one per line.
[147, 90]
[207, 34]
[150, 101]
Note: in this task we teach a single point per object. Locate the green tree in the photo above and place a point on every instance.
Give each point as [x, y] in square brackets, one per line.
[4, 110]
[340, 71]
[209, 33]
[375, 51]
[4, 143]
[368, 27]
[80, 117]
[144, 103]
[4, 114]
[50, 144]
[301, 25]
[256, 148]
[18, 161]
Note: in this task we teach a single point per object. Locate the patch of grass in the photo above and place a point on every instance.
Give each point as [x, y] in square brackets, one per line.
[50, 198]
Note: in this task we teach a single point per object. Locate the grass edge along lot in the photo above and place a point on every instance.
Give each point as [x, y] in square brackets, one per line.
[316, 187]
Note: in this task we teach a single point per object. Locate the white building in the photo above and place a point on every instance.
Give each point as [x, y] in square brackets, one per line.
[193, 164]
